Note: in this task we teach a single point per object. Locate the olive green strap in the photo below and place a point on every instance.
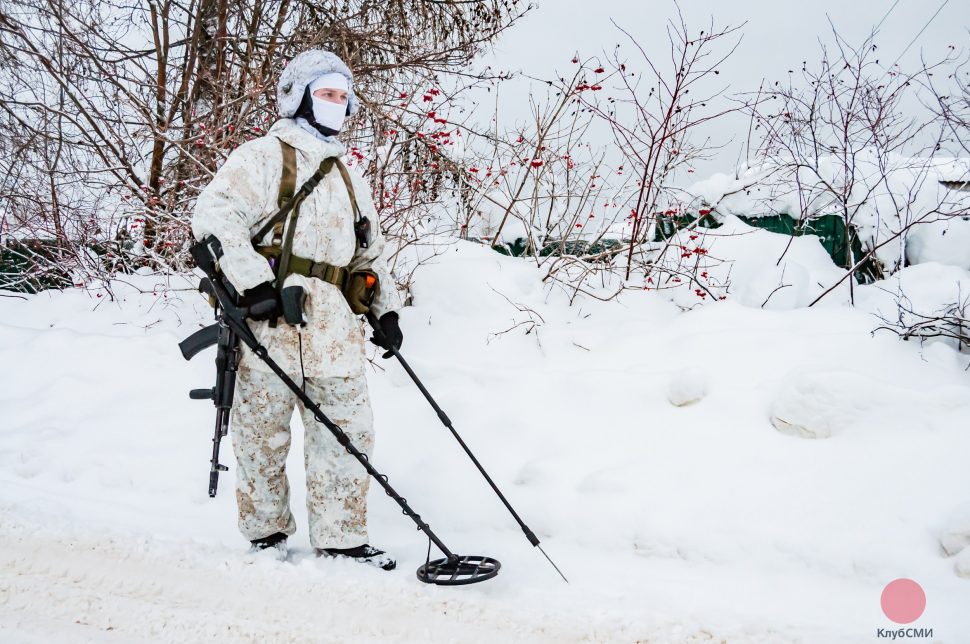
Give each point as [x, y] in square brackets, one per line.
[283, 267]
[287, 185]
[288, 176]
[336, 275]
[285, 195]
[283, 211]
[350, 187]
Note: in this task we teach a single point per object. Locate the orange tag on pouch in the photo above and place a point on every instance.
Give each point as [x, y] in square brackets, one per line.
[360, 290]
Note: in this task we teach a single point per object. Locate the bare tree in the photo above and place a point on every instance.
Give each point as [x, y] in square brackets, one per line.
[652, 121]
[950, 101]
[118, 113]
[653, 110]
[839, 138]
[949, 322]
[587, 213]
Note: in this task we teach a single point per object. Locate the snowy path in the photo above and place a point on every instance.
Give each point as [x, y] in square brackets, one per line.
[56, 587]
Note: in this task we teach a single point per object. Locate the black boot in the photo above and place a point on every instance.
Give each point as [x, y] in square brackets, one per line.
[276, 540]
[366, 553]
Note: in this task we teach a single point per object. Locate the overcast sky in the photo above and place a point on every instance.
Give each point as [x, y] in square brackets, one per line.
[776, 38]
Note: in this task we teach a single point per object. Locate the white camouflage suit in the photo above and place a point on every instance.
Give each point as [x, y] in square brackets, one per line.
[240, 198]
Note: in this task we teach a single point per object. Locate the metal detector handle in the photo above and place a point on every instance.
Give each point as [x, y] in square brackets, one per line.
[375, 324]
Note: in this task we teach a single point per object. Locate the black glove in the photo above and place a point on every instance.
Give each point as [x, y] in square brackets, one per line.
[263, 302]
[390, 334]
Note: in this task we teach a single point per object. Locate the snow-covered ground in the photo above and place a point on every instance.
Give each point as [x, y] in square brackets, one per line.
[660, 455]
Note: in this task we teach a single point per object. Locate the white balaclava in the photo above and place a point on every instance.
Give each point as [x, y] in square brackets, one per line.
[329, 115]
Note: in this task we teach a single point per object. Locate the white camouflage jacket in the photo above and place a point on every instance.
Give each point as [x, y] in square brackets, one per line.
[243, 195]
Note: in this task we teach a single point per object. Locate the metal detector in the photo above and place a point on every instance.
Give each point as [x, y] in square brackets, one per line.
[452, 570]
[443, 417]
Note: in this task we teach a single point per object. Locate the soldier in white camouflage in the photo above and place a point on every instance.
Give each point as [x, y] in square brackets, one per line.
[326, 354]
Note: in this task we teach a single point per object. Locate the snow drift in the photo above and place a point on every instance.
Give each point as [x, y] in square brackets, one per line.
[634, 438]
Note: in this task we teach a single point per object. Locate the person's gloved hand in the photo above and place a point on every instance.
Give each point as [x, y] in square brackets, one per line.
[263, 302]
[390, 334]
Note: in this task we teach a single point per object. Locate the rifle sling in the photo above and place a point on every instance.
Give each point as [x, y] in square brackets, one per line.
[350, 187]
[287, 204]
[283, 268]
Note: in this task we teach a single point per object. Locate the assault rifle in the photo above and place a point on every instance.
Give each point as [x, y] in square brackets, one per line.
[227, 360]
[224, 337]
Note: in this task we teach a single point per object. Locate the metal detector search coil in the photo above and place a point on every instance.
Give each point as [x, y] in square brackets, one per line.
[458, 571]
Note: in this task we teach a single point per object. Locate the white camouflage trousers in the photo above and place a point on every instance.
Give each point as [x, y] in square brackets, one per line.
[336, 483]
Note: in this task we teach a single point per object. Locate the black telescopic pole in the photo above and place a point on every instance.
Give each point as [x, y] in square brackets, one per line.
[533, 539]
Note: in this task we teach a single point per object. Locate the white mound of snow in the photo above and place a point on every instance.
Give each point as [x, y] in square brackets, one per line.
[944, 242]
[816, 405]
[962, 564]
[760, 269]
[916, 295]
[820, 403]
[956, 537]
[687, 387]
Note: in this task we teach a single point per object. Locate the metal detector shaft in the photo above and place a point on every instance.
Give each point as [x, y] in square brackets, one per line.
[533, 539]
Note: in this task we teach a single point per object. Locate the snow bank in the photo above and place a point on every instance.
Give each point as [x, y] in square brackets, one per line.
[754, 267]
[884, 196]
[670, 521]
[820, 403]
[944, 242]
[916, 295]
